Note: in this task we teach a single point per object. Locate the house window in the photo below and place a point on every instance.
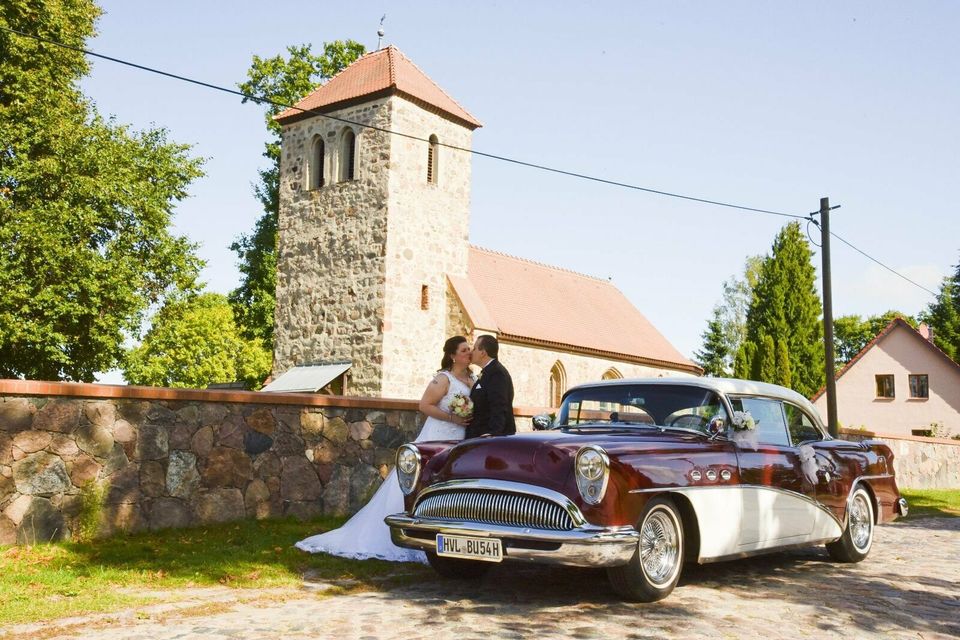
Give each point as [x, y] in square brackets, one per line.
[558, 384]
[432, 160]
[919, 386]
[885, 386]
[315, 166]
[348, 145]
[424, 297]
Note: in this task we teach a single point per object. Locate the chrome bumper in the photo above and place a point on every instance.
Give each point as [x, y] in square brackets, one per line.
[585, 546]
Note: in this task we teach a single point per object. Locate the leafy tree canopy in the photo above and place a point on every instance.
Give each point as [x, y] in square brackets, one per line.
[852, 333]
[194, 342]
[284, 80]
[943, 316]
[85, 206]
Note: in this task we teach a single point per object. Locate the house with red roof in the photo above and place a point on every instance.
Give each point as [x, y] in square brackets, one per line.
[900, 383]
[375, 269]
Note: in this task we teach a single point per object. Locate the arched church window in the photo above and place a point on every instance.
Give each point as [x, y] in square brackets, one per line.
[558, 384]
[315, 165]
[432, 153]
[611, 374]
[348, 152]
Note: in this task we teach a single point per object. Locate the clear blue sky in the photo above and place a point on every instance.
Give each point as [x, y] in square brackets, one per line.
[767, 104]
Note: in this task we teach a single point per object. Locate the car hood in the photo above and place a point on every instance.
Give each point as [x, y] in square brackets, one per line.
[545, 458]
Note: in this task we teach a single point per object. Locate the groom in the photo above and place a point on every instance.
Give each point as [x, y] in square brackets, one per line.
[492, 394]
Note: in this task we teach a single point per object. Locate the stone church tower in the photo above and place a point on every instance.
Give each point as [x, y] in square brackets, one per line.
[371, 224]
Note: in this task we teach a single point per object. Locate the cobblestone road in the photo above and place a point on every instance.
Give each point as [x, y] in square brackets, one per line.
[909, 587]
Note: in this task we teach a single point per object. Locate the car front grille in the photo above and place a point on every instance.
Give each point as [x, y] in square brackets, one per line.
[495, 507]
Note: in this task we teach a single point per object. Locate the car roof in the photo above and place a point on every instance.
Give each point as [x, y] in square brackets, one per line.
[724, 386]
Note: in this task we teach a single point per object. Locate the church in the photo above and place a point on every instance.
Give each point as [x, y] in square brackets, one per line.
[375, 268]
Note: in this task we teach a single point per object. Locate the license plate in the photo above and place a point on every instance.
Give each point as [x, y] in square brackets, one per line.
[486, 549]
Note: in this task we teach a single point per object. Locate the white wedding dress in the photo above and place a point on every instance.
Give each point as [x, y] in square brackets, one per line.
[365, 535]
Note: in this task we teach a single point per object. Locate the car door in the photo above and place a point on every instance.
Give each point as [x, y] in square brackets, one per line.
[776, 498]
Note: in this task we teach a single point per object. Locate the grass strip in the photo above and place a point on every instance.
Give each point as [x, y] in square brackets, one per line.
[940, 503]
[50, 581]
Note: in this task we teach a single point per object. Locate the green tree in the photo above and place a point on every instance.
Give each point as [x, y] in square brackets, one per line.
[85, 206]
[743, 363]
[283, 80]
[195, 342]
[943, 316]
[851, 333]
[713, 357]
[783, 375]
[765, 360]
[786, 307]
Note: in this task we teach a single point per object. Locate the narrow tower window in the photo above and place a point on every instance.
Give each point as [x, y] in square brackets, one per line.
[558, 384]
[316, 163]
[432, 153]
[348, 145]
[424, 297]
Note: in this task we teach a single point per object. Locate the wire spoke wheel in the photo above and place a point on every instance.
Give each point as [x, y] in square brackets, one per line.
[857, 538]
[653, 571]
[659, 547]
[861, 523]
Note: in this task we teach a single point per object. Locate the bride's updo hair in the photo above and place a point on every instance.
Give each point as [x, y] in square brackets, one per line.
[449, 349]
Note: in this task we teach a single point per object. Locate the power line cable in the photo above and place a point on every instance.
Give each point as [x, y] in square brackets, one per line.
[891, 270]
[261, 100]
[532, 165]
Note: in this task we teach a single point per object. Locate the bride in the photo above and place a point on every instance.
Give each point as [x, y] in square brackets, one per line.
[365, 535]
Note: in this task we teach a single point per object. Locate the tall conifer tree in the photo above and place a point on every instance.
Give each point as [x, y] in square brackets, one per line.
[713, 357]
[786, 307]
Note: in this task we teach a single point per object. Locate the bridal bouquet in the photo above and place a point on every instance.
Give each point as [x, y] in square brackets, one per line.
[461, 406]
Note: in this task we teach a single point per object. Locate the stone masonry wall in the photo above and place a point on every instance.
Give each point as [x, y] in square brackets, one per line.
[174, 458]
[331, 265]
[920, 463]
[427, 231]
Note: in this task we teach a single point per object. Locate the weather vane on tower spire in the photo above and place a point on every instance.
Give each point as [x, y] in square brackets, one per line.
[380, 32]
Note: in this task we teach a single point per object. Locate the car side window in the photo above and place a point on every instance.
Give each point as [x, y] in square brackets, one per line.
[768, 415]
[800, 425]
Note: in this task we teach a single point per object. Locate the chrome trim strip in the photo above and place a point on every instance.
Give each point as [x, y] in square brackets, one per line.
[744, 486]
[508, 487]
[588, 546]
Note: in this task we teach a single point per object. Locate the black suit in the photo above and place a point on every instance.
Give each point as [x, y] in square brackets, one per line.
[492, 397]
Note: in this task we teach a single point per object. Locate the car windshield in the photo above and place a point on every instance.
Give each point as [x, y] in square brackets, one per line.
[663, 405]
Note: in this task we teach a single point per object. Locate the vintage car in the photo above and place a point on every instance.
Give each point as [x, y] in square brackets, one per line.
[639, 476]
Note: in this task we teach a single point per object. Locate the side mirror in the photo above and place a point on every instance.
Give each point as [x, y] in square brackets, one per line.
[716, 426]
[542, 422]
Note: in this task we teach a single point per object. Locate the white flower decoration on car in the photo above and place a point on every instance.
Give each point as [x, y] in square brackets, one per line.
[743, 421]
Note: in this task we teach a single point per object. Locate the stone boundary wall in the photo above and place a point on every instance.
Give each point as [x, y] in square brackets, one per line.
[920, 463]
[166, 458]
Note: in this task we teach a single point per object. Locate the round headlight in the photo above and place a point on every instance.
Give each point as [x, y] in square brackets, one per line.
[407, 460]
[590, 464]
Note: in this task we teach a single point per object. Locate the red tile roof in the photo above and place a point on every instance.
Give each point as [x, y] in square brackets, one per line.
[388, 71]
[535, 303]
[896, 322]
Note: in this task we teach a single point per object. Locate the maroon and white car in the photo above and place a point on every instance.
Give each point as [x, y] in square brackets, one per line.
[638, 476]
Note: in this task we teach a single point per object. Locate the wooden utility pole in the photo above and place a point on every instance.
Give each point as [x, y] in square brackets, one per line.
[832, 424]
